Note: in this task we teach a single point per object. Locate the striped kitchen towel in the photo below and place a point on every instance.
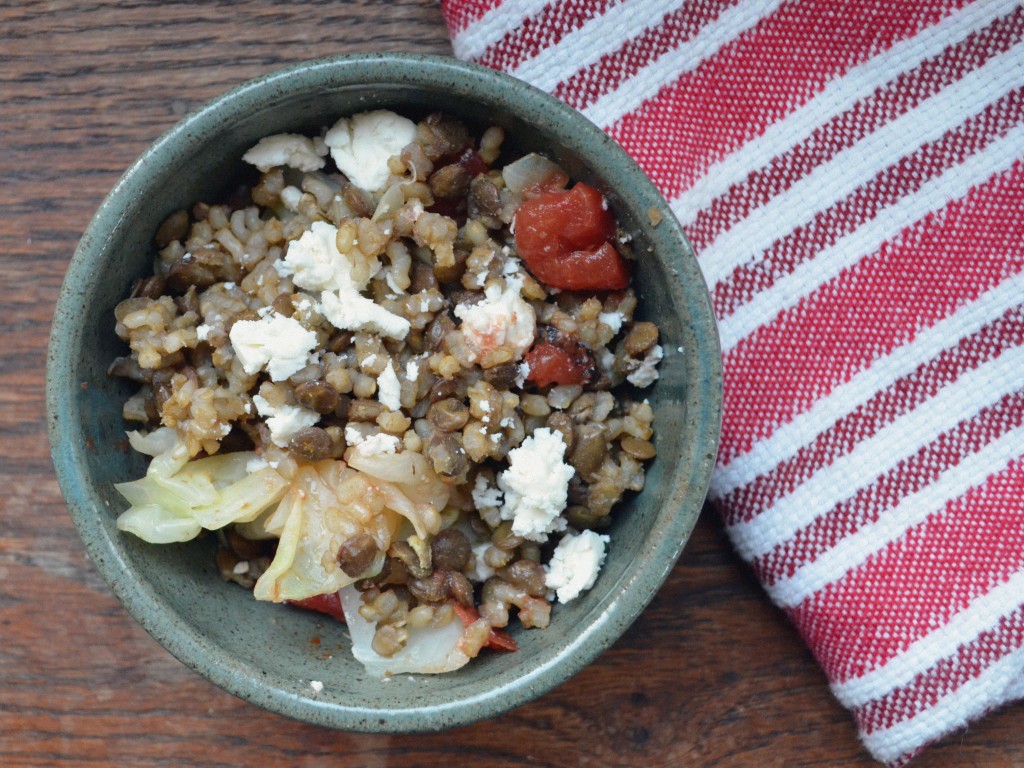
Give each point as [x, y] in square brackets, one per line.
[851, 176]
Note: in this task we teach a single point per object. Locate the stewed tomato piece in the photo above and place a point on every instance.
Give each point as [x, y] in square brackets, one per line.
[565, 240]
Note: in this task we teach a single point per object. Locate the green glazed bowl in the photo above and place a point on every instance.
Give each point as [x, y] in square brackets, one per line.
[262, 652]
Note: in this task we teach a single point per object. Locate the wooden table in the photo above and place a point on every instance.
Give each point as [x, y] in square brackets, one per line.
[711, 674]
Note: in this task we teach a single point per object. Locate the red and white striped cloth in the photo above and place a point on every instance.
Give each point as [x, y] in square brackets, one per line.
[851, 176]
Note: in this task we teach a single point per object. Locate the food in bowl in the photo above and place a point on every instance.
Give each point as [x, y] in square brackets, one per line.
[399, 378]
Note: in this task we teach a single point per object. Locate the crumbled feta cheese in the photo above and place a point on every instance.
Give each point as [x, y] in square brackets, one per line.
[361, 146]
[523, 371]
[613, 320]
[485, 495]
[255, 464]
[381, 443]
[316, 685]
[412, 370]
[647, 373]
[481, 569]
[389, 389]
[354, 312]
[503, 318]
[279, 343]
[316, 264]
[289, 149]
[285, 421]
[536, 485]
[203, 332]
[368, 361]
[353, 436]
[575, 563]
[242, 566]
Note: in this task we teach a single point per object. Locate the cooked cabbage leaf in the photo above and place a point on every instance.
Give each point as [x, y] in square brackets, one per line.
[429, 650]
[326, 504]
[177, 498]
[409, 485]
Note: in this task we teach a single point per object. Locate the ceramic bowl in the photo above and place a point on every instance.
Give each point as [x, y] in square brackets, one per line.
[263, 652]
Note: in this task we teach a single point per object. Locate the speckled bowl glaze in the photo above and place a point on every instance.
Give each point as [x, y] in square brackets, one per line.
[263, 652]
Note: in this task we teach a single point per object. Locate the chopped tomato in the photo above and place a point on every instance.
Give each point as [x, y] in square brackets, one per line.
[498, 640]
[472, 162]
[329, 604]
[565, 240]
[559, 360]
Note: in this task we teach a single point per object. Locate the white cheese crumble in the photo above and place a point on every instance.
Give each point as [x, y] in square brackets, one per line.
[481, 569]
[284, 421]
[353, 436]
[389, 389]
[523, 371]
[316, 264]
[536, 485]
[289, 149]
[353, 312]
[484, 494]
[613, 320]
[380, 443]
[279, 343]
[255, 464]
[412, 371]
[203, 332]
[647, 373]
[503, 318]
[361, 146]
[316, 685]
[575, 563]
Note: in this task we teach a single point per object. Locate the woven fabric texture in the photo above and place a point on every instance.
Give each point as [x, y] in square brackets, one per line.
[851, 176]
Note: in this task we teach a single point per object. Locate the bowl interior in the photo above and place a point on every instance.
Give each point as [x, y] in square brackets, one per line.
[267, 653]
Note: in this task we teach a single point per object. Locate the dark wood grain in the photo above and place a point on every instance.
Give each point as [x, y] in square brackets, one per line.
[711, 674]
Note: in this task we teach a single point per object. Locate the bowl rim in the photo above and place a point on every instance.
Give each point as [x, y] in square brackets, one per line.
[689, 484]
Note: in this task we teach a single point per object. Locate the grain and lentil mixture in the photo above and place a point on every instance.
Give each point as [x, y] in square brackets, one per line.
[401, 380]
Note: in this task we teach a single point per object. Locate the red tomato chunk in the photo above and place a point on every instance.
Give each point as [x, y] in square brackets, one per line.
[559, 363]
[329, 603]
[565, 240]
[498, 639]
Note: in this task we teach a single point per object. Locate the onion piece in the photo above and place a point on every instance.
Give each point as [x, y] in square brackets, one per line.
[532, 171]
